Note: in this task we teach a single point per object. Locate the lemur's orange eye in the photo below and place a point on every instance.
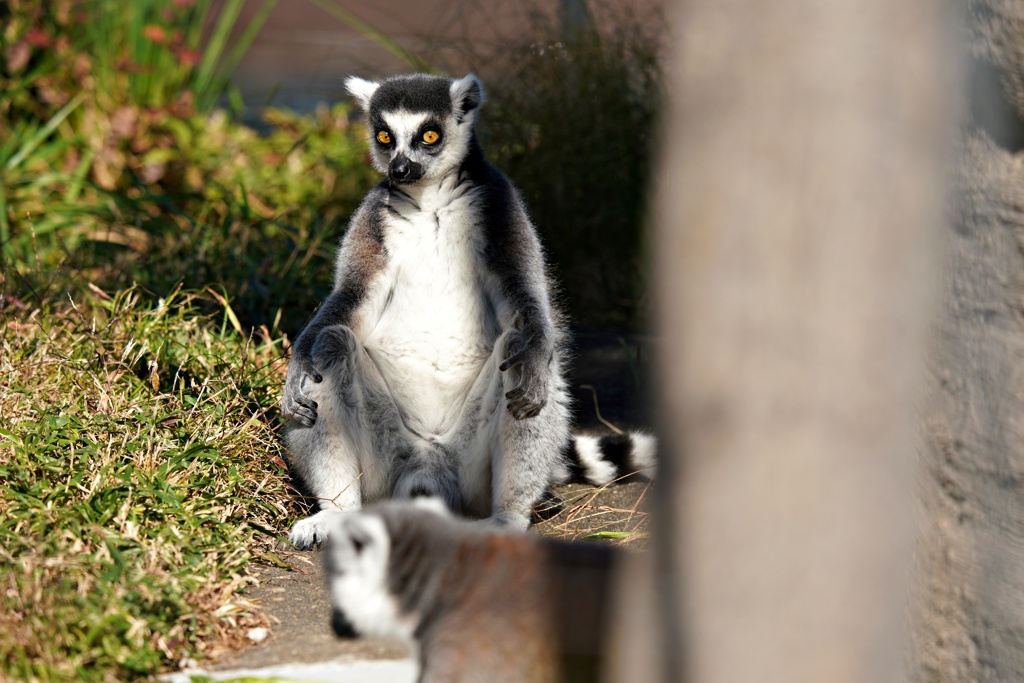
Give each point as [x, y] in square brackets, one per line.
[430, 137]
[384, 137]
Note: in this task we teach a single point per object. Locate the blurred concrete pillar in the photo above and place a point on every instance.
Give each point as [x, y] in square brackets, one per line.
[971, 564]
[798, 214]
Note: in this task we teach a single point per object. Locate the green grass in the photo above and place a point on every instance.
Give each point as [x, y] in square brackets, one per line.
[140, 470]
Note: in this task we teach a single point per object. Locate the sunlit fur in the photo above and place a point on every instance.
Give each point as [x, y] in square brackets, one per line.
[436, 365]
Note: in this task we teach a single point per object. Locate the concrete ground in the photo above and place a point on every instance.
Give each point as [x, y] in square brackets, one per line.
[301, 645]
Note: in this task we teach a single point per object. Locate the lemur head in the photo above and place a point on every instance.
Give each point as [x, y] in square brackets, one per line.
[421, 127]
[365, 567]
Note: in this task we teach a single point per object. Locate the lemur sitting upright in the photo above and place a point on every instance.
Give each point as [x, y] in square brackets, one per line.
[435, 367]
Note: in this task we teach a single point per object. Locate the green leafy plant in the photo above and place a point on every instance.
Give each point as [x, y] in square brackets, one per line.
[87, 89]
[153, 53]
[133, 180]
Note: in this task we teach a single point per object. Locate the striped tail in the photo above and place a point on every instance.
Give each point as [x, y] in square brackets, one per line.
[600, 460]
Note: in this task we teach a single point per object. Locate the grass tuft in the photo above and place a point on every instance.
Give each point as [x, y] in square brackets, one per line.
[139, 472]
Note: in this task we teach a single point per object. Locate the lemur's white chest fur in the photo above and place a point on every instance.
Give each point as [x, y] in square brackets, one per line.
[428, 324]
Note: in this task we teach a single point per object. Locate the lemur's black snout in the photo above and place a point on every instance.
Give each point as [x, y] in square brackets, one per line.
[405, 171]
[343, 628]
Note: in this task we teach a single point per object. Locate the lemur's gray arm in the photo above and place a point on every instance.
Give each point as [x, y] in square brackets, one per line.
[516, 261]
[336, 310]
[358, 259]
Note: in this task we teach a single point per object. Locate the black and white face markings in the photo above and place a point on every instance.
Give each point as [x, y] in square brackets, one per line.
[367, 575]
[420, 126]
[356, 564]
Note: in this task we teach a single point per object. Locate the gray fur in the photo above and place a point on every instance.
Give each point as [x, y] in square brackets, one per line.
[435, 367]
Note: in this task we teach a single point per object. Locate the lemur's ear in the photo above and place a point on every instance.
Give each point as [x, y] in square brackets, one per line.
[358, 531]
[362, 90]
[467, 95]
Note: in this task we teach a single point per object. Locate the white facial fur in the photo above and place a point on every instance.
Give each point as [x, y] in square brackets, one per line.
[406, 126]
[359, 547]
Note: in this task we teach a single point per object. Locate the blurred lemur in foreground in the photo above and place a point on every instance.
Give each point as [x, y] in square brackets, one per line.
[435, 367]
[478, 604]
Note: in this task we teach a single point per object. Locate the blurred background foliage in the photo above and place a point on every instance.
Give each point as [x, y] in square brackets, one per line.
[570, 120]
[117, 167]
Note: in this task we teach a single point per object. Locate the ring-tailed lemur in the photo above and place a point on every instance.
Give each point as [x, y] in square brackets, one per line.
[435, 365]
[478, 604]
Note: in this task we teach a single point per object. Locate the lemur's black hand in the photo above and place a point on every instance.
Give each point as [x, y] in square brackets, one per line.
[531, 359]
[333, 345]
[295, 405]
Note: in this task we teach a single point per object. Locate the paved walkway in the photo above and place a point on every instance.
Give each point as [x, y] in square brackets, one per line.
[341, 671]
